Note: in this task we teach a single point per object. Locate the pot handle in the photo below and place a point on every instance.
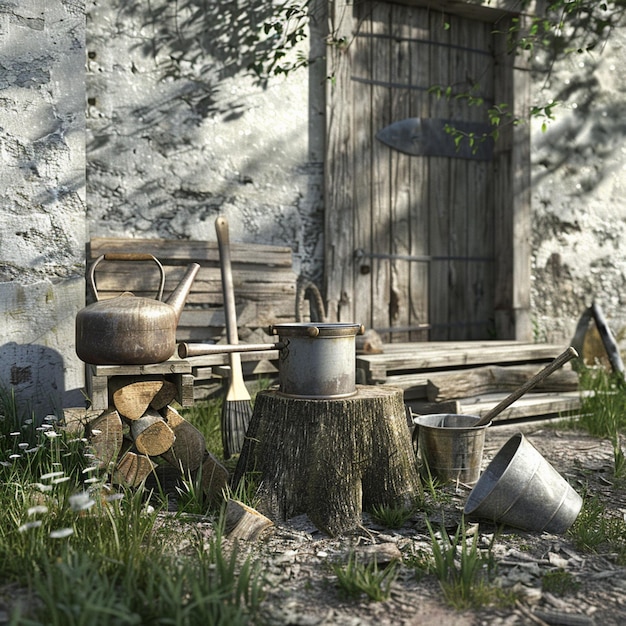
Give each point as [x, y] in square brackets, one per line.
[124, 256]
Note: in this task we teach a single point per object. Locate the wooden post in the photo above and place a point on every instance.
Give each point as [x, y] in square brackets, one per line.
[332, 458]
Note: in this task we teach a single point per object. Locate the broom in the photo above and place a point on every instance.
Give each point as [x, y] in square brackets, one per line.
[237, 406]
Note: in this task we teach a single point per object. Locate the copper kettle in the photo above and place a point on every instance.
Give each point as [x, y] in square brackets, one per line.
[127, 329]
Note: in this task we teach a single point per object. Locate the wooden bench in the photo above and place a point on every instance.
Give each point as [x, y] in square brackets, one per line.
[265, 293]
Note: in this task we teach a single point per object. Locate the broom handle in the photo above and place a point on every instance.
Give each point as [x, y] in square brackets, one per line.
[223, 243]
[560, 360]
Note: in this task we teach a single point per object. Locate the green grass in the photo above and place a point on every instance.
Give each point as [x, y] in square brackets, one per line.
[392, 516]
[595, 530]
[92, 555]
[206, 416]
[356, 579]
[464, 571]
[603, 411]
[559, 582]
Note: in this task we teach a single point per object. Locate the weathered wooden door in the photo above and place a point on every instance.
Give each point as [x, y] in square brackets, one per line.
[432, 244]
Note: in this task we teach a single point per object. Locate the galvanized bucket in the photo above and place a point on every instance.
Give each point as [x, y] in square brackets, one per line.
[317, 360]
[521, 489]
[450, 446]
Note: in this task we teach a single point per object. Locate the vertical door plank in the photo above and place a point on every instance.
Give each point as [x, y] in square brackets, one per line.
[419, 62]
[460, 201]
[362, 138]
[439, 183]
[480, 235]
[339, 200]
[381, 159]
[400, 192]
[503, 92]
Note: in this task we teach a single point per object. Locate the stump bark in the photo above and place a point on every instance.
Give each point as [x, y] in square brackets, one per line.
[330, 459]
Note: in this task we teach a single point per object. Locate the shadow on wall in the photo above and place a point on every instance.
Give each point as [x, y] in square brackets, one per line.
[35, 374]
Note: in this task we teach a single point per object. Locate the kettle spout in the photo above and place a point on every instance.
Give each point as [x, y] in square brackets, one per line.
[179, 295]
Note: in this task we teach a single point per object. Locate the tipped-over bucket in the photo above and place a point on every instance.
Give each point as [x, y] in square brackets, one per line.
[521, 489]
[450, 446]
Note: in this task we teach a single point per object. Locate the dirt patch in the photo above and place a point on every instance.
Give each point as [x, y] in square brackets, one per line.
[302, 589]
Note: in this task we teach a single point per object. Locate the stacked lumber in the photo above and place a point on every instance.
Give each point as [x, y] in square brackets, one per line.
[264, 278]
[471, 377]
[140, 428]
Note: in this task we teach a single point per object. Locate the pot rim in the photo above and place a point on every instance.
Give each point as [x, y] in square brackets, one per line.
[317, 329]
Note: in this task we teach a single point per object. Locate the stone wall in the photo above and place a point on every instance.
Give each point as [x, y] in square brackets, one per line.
[579, 186]
[178, 132]
[42, 178]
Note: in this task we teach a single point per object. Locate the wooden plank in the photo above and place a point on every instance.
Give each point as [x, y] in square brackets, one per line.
[248, 314]
[144, 282]
[439, 185]
[512, 193]
[361, 147]
[414, 386]
[400, 167]
[181, 252]
[381, 175]
[488, 10]
[479, 275]
[419, 62]
[521, 187]
[460, 202]
[339, 193]
[423, 357]
[530, 405]
[470, 382]
[171, 366]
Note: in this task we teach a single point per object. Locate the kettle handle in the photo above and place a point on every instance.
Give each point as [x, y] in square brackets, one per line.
[124, 256]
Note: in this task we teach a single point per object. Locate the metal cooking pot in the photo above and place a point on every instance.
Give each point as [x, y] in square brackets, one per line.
[317, 360]
[130, 330]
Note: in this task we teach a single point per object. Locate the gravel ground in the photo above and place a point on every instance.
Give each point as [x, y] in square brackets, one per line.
[302, 590]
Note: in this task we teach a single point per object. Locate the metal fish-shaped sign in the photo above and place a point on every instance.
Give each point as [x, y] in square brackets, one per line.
[435, 137]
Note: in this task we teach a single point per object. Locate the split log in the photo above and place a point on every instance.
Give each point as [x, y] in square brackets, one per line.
[152, 436]
[105, 436]
[187, 451]
[166, 395]
[476, 381]
[243, 522]
[132, 469]
[132, 395]
[330, 458]
[214, 478]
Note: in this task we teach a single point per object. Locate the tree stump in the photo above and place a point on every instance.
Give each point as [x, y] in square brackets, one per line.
[330, 459]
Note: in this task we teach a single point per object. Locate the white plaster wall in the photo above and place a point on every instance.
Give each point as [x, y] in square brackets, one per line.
[579, 187]
[42, 199]
[173, 145]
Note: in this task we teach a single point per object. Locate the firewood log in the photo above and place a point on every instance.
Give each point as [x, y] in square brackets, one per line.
[151, 434]
[104, 434]
[132, 396]
[132, 469]
[243, 522]
[214, 478]
[187, 451]
[164, 396]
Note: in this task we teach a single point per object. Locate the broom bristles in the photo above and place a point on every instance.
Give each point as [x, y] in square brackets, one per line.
[235, 420]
